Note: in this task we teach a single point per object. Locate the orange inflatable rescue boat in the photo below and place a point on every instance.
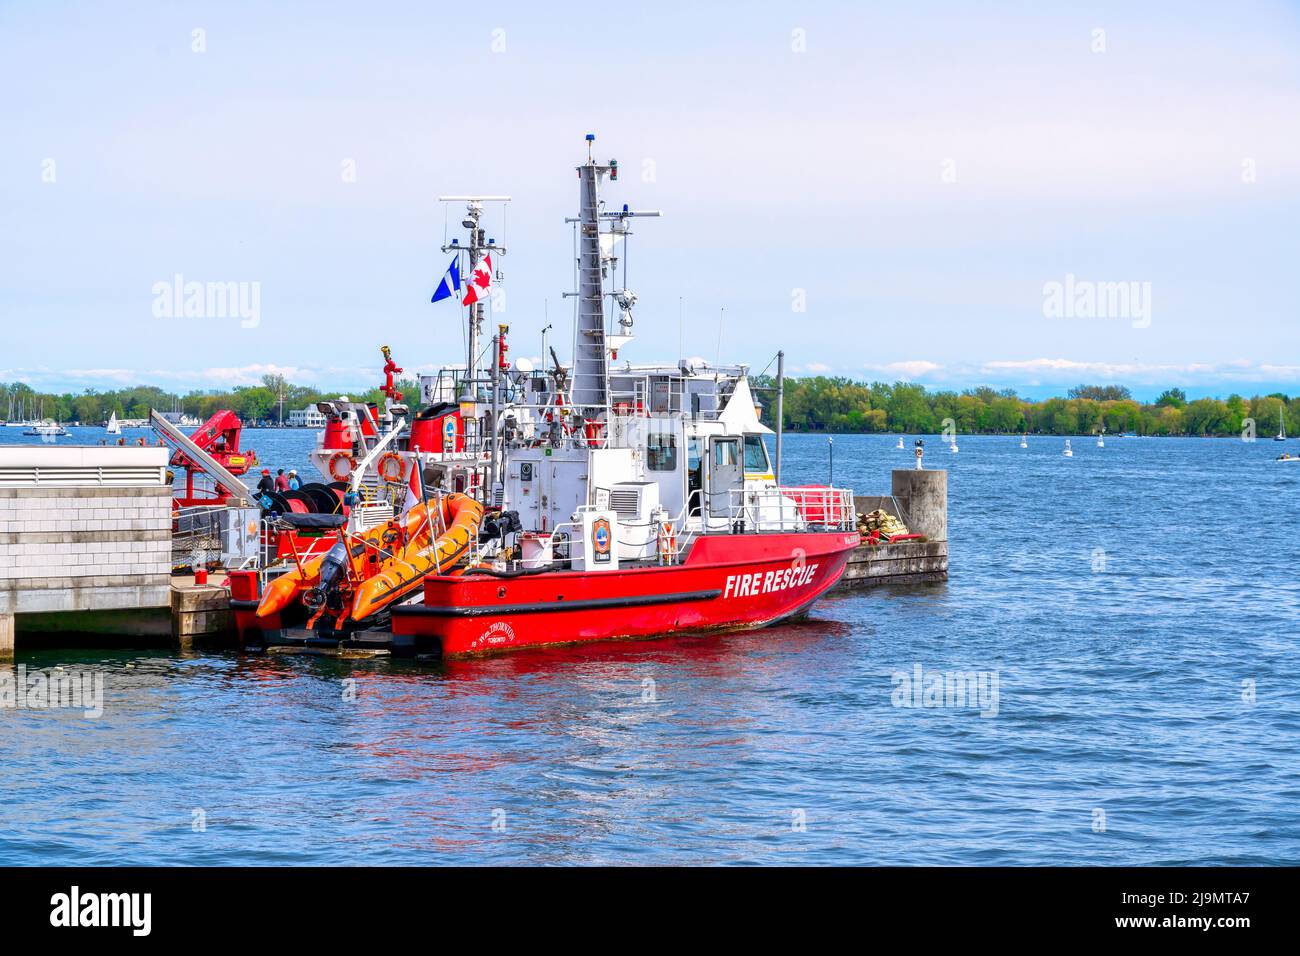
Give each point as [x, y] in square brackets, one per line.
[364, 573]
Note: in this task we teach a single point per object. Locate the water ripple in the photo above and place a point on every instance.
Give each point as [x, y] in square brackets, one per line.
[1137, 605]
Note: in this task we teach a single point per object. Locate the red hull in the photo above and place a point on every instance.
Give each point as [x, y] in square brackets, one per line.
[728, 581]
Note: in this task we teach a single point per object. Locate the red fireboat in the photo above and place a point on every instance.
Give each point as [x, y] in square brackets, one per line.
[611, 500]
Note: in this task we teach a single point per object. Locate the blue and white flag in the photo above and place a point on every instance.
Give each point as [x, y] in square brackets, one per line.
[450, 282]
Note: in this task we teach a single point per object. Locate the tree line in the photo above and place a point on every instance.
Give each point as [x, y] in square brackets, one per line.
[828, 404]
[812, 404]
[253, 403]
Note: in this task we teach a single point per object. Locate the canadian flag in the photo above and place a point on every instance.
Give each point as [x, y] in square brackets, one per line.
[479, 285]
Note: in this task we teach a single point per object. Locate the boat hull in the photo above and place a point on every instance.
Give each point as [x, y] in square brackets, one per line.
[727, 582]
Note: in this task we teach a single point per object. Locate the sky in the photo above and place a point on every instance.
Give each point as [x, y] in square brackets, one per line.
[885, 191]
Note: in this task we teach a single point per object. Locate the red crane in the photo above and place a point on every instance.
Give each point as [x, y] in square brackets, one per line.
[219, 437]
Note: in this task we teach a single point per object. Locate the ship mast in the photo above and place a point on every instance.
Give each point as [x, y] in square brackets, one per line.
[476, 241]
[479, 246]
[589, 391]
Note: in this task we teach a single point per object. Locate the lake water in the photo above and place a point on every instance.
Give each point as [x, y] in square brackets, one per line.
[1136, 604]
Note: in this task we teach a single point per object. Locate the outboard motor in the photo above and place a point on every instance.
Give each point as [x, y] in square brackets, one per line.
[332, 567]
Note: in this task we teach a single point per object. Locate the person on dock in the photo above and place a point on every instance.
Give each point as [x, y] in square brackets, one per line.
[281, 481]
[294, 483]
[266, 484]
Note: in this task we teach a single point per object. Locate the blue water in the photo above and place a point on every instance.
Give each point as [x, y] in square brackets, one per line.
[1122, 597]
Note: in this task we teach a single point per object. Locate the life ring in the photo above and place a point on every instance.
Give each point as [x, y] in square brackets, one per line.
[667, 542]
[389, 458]
[335, 459]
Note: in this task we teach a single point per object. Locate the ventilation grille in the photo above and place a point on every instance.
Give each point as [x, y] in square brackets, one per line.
[372, 515]
[68, 476]
[626, 503]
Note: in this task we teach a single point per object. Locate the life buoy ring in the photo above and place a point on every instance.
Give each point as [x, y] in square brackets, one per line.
[385, 472]
[667, 542]
[335, 459]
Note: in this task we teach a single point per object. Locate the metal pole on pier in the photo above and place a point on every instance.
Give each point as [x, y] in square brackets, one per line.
[830, 449]
[780, 409]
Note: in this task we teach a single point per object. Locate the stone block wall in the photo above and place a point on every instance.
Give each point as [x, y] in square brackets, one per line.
[83, 529]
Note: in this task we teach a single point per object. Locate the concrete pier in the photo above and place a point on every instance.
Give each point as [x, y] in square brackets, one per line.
[85, 540]
[920, 500]
[924, 496]
[200, 614]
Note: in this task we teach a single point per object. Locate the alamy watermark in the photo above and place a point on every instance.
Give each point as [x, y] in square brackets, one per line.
[53, 689]
[133, 911]
[1085, 299]
[179, 299]
[923, 688]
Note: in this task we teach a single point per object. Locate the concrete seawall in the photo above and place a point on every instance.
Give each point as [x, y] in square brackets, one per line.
[85, 540]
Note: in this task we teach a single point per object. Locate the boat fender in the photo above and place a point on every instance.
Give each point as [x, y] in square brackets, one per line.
[337, 459]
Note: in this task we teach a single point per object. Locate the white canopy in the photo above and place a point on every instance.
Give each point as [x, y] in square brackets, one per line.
[739, 416]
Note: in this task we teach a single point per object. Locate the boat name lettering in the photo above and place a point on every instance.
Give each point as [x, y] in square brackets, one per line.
[499, 632]
[767, 582]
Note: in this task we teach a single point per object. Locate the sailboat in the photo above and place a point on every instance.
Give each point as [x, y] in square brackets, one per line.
[900, 443]
[1101, 439]
[1069, 452]
[46, 429]
[113, 427]
[1281, 431]
[1024, 441]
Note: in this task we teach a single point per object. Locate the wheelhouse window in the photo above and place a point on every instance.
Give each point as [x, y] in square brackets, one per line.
[756, 459]
[661, 452]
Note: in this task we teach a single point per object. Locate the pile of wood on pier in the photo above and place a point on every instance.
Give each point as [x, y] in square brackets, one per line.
[880, 525]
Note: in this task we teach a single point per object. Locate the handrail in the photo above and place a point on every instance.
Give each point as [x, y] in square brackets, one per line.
[834, 506]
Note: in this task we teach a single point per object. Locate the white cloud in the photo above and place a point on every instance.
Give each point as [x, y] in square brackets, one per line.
[1033, 372]
[216, 377]
[1062, 369]
[916, 368]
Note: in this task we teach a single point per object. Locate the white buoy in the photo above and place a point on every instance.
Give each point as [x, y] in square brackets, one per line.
[1069, 453]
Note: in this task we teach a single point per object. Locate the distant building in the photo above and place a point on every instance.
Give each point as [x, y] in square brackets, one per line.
[309, 417]
[176, 418]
